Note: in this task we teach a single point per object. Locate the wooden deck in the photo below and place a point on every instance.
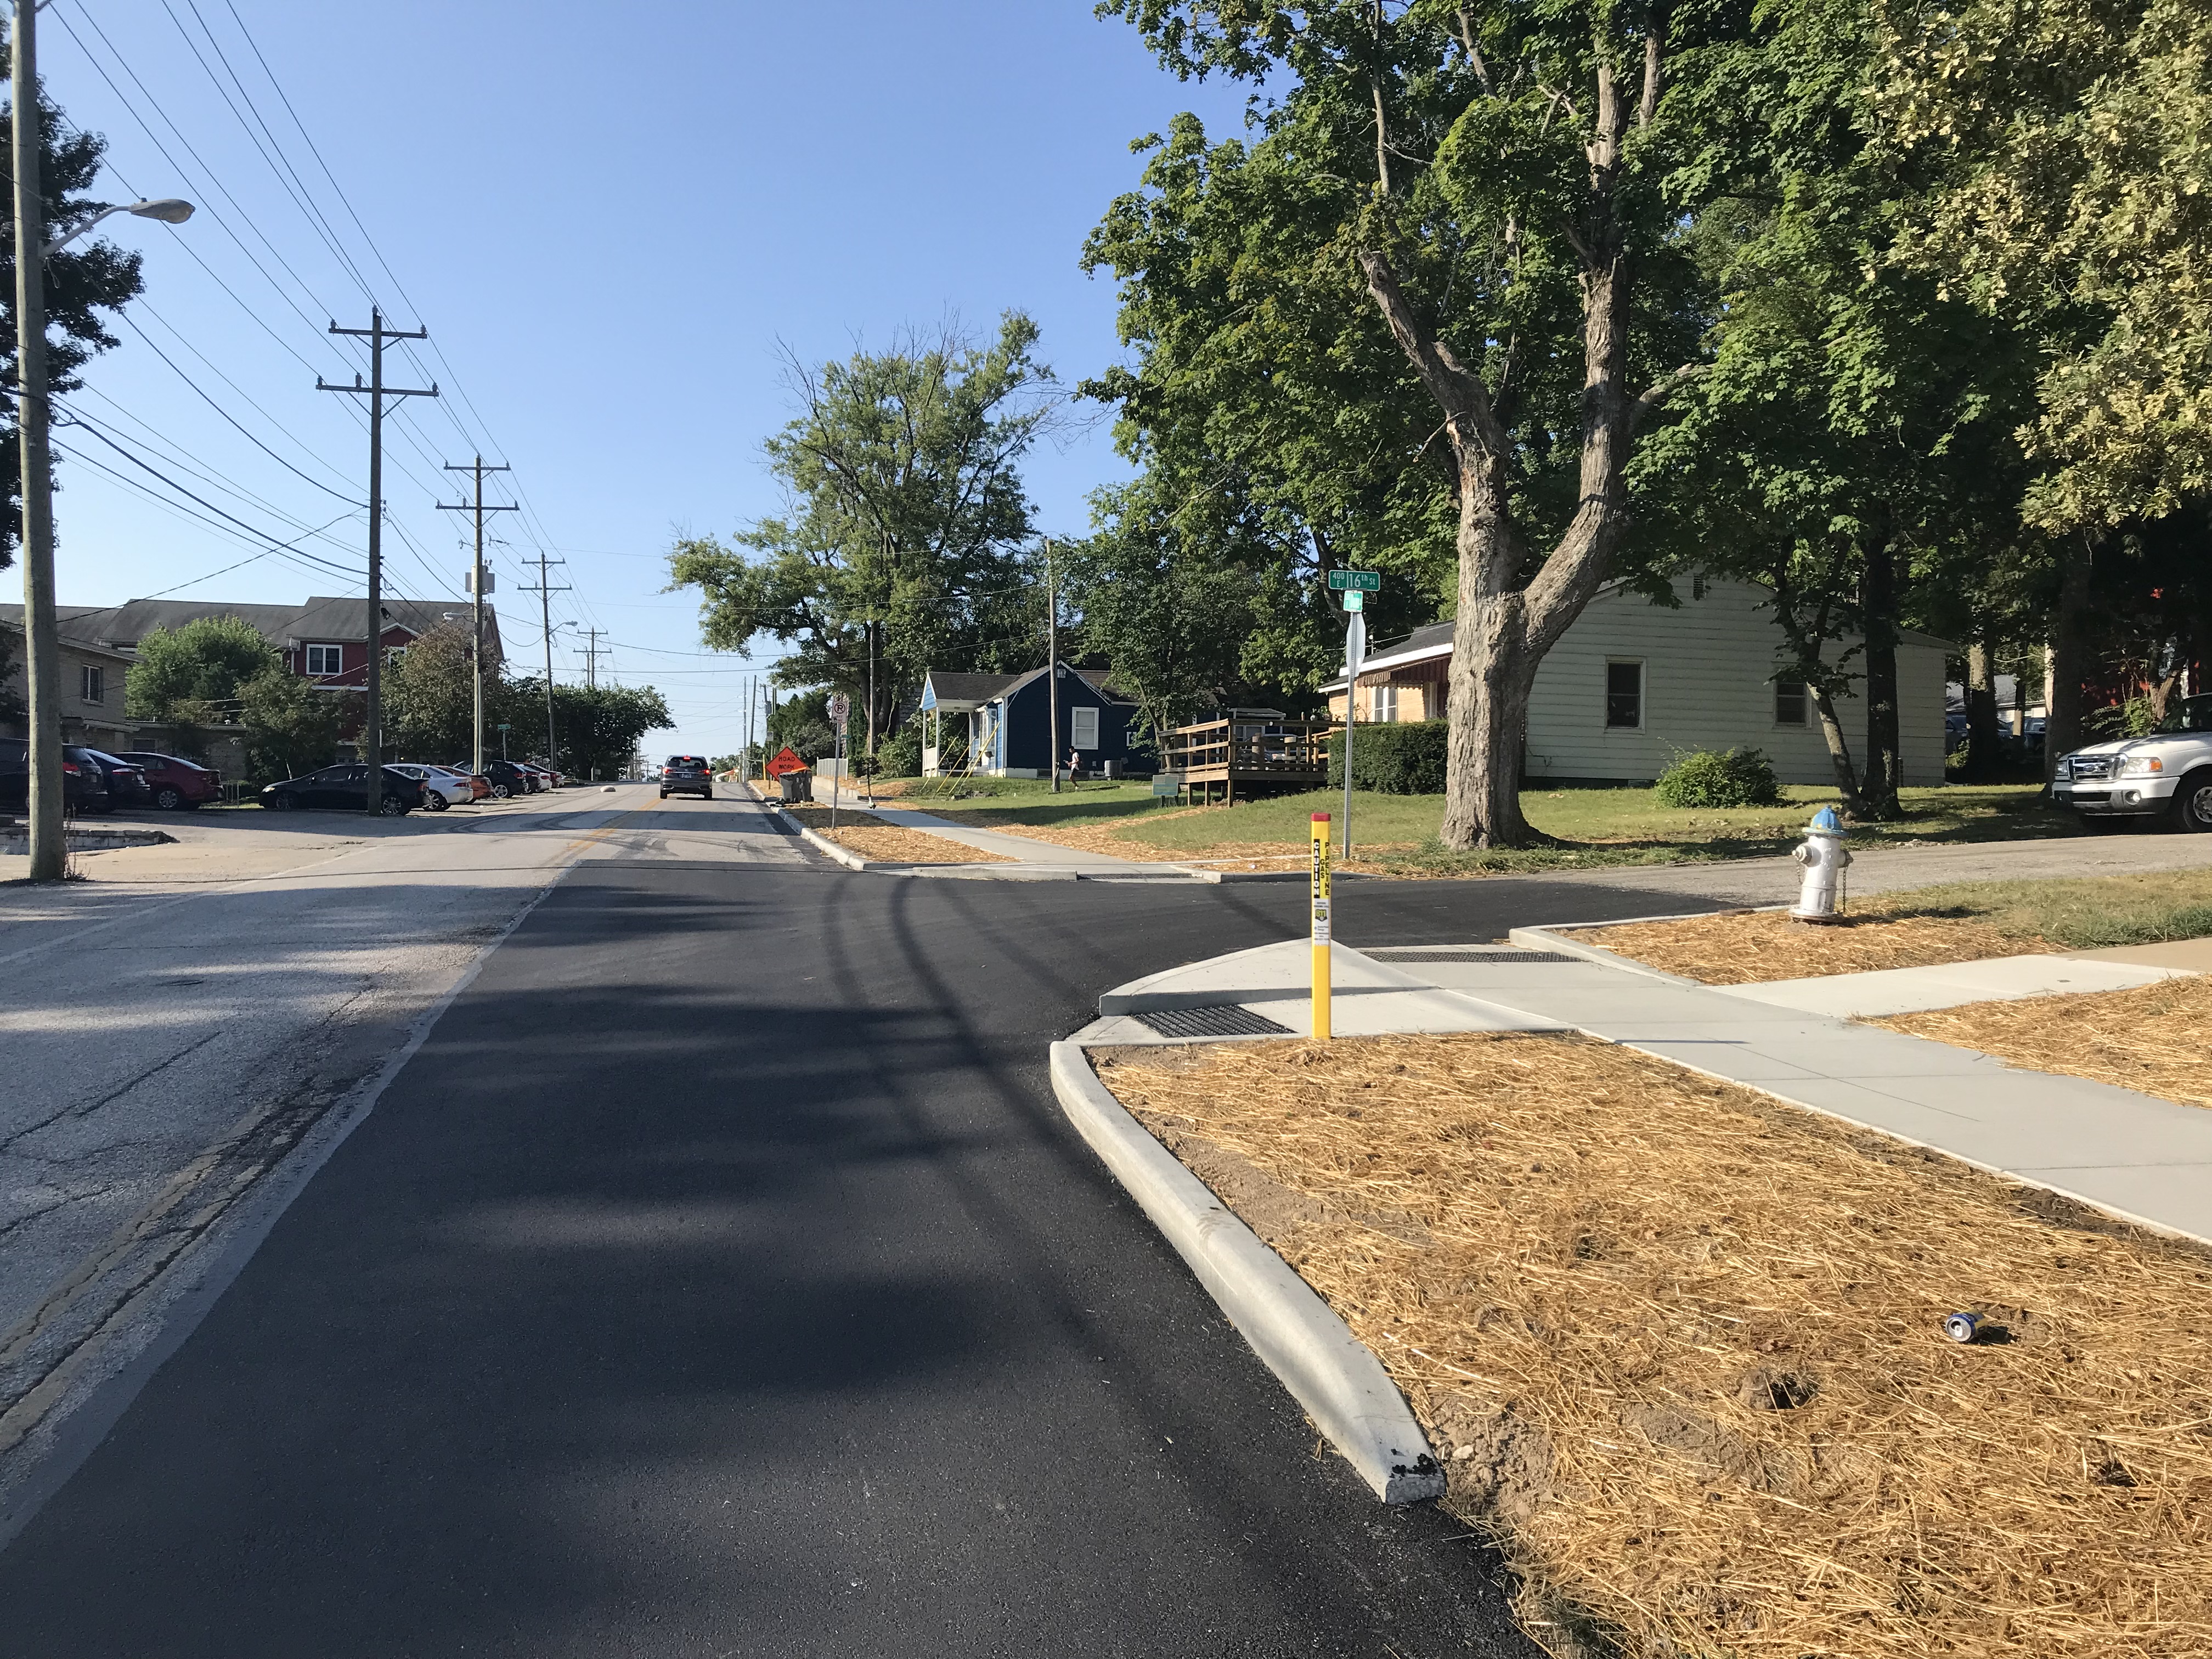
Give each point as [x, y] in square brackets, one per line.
[1224, 758]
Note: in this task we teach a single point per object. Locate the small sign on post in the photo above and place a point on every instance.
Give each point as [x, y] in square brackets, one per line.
[1320, 929]
[786, 760]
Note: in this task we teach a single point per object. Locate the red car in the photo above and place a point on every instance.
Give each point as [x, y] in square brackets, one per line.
[176, 785]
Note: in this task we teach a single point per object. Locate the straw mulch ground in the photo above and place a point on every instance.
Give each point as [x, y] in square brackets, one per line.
[2156, 1040]
[888, 842]
[1679, 1346]
[1747, 947]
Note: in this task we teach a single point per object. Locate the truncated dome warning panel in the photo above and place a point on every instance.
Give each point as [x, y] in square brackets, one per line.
[1225, 1021]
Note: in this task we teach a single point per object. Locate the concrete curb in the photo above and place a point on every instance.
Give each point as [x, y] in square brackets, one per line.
[16, 838]
[1341, 1385]
[1136, 998]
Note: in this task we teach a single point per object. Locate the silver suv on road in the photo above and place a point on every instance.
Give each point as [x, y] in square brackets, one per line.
[2170, 771]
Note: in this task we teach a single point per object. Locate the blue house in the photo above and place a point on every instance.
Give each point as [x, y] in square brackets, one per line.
[1009, 723]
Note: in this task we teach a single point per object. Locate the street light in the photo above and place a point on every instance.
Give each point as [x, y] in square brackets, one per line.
[43, 672]
[166, 208]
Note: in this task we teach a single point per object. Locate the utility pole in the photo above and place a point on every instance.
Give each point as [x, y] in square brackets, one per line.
[479, 584]
[1052, 657]
[372, 726]
[592, 658]
[545, 591]
[49, 849]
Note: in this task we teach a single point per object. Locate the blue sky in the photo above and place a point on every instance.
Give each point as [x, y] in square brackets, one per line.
[608, 227]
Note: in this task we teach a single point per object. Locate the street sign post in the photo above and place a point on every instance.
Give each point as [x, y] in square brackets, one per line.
[1355, 581]
[786, 761]
[1355, 656]
[841, 708]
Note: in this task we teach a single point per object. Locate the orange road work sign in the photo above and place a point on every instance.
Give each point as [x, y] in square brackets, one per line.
[784, 762]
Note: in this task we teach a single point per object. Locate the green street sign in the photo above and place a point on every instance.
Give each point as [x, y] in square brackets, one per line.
[1357, 581]
[1354, 599]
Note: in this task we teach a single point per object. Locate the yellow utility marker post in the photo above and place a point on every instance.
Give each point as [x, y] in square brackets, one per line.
[1320, 926]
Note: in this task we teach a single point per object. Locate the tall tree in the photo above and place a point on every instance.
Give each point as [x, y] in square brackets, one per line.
[1278, 429]
[193, 675]
[1854, 431]
[1500, 179]
[81, 281]
[903, 540]
[2072, 191]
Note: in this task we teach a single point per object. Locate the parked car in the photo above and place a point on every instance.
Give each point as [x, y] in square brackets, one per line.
[687, 775]
[177, 784]
[346, 787]
[479, 785]
[507, 778]
[2168, 772]
[126, 784]
[440, 788]
[84, 786]
[544, 777]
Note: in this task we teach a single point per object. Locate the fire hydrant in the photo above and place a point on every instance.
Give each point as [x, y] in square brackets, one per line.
[1823, 857]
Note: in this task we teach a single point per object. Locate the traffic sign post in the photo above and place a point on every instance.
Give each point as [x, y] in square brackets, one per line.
[1355, 655]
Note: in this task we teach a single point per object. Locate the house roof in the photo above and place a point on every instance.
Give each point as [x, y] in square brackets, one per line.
[320, 618]
[957, 693]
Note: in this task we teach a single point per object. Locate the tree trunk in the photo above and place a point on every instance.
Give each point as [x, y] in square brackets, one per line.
[2065, 663]
[1492, 672]
[1881, 774]
[1840, 749]
[1983, 744]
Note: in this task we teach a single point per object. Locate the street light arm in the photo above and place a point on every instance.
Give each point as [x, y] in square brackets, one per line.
[168, 209]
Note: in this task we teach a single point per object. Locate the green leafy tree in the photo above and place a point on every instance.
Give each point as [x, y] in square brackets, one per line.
[1278, 428]
[81, 281]
[1185, 617]
[193, 675]
[1854, 429]
[903, 544]
[2072, 192]
[292, 726]
[1506, 183]
[11, 702]
[597, 726]
[430, 698]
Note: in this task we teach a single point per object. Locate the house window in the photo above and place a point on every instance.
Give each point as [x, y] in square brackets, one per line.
[1083, 727]
[1382, 703]
[93, 682]
[1789, 702]
[1624, 696]
[323, 659]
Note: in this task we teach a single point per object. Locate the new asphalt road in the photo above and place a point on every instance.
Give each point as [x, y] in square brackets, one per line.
[720, 1278]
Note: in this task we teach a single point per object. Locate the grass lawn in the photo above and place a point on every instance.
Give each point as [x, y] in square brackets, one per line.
[1396, 835]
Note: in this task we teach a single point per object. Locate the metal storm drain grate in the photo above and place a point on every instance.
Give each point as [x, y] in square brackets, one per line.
[1228, 1021]
[1472, 953]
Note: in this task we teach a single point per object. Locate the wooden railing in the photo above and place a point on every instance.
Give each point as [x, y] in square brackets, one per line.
[1243, 749]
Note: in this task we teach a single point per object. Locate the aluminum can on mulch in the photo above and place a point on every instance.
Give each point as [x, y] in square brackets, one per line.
[1961, 1327]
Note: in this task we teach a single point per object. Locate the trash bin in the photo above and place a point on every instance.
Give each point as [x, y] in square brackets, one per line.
[797, 786]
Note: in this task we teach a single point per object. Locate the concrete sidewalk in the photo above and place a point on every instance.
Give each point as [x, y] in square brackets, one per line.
[2144, 1159]
[1948, 985]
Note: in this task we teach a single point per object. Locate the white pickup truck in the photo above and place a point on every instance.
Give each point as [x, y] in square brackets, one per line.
[2170, 771]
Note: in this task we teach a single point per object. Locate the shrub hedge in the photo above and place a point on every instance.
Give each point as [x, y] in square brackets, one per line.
[1398, 758]
[1731, 777]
